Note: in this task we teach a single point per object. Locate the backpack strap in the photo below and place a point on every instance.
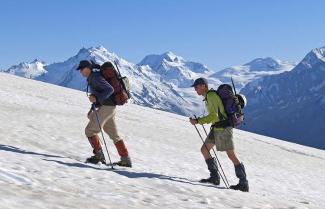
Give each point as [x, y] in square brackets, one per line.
[224, 122]
[118, 70]
[219, 112]
[88, 84]
[206, 96]
[87, 89]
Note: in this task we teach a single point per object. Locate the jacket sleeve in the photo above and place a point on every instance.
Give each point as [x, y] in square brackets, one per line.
[212, 107]
[102, 90]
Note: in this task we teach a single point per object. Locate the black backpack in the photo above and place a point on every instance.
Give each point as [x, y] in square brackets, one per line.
[233, 104]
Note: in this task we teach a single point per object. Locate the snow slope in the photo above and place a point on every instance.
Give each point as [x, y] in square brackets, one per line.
[42, 144]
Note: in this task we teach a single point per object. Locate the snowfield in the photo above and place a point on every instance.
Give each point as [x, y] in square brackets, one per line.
[42, 149]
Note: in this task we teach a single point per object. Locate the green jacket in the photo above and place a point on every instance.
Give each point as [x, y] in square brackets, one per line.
[213, 103]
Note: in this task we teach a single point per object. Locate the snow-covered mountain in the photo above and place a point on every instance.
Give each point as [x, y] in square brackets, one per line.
[28, 70]
[158, 81]
[149, 88]
[290, 105]
[253, 70]
[65, 73]
[43, 145]
[174, 69]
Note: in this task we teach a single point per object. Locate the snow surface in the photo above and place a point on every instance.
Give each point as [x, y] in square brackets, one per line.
[43, 143]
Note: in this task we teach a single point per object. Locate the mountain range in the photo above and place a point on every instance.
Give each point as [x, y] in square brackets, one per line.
[158, 81]
[290, 105]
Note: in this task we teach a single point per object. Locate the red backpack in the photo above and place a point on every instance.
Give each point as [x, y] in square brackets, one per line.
[120, 84]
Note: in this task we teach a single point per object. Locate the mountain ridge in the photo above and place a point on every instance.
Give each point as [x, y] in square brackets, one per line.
[290, 102]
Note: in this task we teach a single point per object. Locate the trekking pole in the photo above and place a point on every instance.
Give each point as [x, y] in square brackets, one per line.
[210, 155]
[94, 109]
[118, 69]
[232, 81]
[216, 156]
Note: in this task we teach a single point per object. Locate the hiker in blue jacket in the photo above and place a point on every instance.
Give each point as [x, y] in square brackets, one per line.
[102, 98]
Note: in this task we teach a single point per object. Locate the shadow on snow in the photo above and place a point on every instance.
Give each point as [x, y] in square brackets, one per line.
[118, 170]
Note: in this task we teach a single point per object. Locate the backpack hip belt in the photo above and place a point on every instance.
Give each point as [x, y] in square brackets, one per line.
[221, 124]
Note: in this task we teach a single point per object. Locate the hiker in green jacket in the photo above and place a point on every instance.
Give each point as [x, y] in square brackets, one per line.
[220, 137]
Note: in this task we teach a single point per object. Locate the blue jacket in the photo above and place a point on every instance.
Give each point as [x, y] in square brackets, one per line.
[100, 88]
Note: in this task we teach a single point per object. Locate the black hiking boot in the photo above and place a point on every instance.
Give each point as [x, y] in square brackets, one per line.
[241, 187]
[243, 182]
[214, 175]
[93, 160]
[98, 157]
[211, 180]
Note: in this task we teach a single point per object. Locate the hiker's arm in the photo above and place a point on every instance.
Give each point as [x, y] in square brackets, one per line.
[210, 118]
[105, 90]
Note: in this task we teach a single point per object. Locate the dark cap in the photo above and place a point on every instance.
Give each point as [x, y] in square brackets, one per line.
[83, 64]
[200, 81]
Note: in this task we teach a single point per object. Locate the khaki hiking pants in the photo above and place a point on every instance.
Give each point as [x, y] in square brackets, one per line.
[106, 116]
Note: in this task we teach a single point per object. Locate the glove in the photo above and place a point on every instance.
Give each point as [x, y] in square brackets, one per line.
[194, 121]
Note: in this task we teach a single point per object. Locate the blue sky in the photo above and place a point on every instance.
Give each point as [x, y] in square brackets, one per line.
[216, 33]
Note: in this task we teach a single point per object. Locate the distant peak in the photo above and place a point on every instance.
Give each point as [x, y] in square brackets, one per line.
[314, 56]
[98, 49]
[267, 60]
[264, 64]
[170, 57]
[37, 61]
[154, 60]
[169, 54]
[319, 52]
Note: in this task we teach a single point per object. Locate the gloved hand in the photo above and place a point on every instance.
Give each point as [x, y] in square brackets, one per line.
[194, 121]
[92, 99]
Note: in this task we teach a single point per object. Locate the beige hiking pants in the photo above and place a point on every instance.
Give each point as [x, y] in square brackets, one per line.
[106, 116]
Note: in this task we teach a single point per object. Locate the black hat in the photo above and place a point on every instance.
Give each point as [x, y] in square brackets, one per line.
[200, 81]
[83, 64]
